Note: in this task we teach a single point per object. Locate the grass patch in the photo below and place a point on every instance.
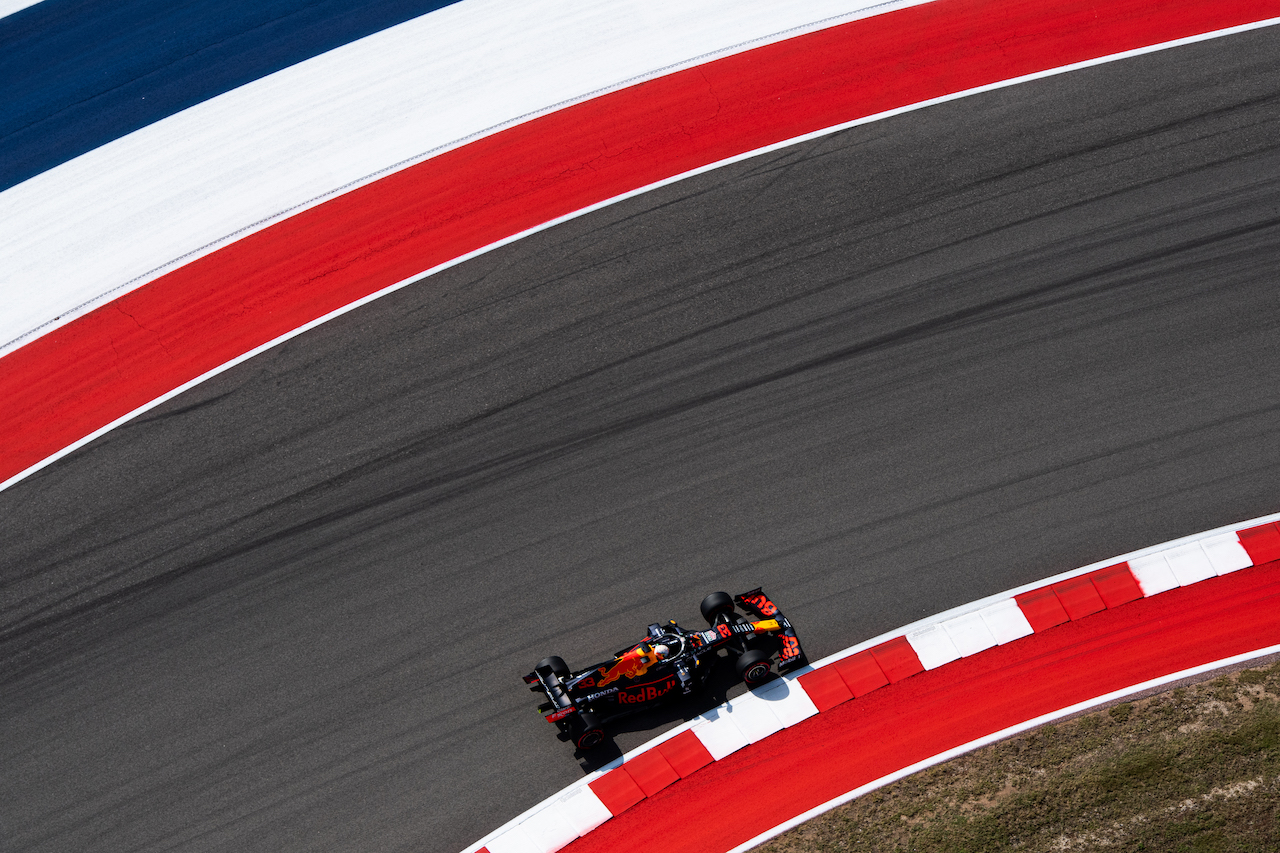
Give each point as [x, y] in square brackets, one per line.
[1193, 769]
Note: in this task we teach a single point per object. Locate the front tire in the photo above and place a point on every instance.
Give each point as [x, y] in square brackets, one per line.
[715, 605]
[755, 667]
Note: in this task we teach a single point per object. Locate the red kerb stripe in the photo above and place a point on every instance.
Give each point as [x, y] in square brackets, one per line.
[685, 753]
[71, 382]
[617, 790]
[897, 659]
[1116, 585]
[1261, 542]
[651, 772]
[1042, 608]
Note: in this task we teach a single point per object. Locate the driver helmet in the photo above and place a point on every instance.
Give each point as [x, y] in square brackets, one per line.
[661, 650]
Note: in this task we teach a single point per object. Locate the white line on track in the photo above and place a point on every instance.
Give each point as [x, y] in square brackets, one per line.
[1001, 735]
[937, 618]
[584, 211]
[109, 221]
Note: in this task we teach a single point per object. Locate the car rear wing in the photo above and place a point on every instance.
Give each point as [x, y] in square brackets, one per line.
[560, 705]
[790, 656]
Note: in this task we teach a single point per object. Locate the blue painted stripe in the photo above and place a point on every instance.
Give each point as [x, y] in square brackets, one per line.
[76, 74]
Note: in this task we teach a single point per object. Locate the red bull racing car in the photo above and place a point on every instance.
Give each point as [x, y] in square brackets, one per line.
[669, 662]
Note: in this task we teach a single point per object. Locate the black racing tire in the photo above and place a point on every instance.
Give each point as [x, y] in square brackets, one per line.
[588, 734]
[556, 665]
[715, 604]
[755, 667]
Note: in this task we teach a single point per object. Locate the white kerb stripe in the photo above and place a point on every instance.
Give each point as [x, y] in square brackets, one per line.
[1190, 564]
[1006, 621]
[993, 738]
[719, 734]
[1153, 573]
[583, 809]
[514, 840]
[788, 700]
[1226, 553]
[933, 646]
[969, 633]
[753, 717]
[549, 829]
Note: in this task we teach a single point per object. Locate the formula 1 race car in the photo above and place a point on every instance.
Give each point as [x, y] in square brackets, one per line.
[669, 662]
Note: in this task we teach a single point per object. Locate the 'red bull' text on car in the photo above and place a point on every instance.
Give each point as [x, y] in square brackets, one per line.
[669, 662]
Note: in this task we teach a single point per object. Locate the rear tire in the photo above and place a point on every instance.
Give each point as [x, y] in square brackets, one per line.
[714, 605]
[555, 664]
[589, 734]
[755, 667]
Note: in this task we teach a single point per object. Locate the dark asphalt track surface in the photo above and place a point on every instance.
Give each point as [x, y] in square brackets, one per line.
[882, 374]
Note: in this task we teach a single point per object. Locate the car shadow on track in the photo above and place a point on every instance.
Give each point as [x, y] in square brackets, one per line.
[715, 692]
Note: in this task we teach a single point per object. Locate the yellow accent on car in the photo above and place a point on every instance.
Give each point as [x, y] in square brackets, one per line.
[767, 625]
